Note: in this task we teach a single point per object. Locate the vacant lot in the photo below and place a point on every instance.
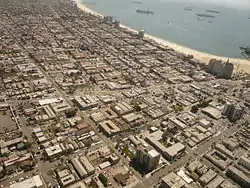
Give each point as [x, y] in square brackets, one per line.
[6, 123]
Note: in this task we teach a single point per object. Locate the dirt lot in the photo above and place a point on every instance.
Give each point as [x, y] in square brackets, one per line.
[7, 125]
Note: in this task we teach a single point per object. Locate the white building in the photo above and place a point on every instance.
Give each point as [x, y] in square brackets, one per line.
[53, 151]
[33, 182]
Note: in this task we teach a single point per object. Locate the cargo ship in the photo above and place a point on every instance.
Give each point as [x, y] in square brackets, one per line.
[213, 11]
[144, 11]
[245, 52]
[188, 9]
[137, 2]
[205, 15]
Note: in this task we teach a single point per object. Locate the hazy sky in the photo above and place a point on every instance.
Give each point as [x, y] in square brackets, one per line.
[227, 3]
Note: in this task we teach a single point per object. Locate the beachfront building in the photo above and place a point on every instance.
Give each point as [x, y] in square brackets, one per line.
[220, 69]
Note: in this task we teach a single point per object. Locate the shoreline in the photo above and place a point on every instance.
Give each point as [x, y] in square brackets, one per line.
[202, 57]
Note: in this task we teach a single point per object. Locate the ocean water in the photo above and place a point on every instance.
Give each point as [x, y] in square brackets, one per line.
[221, 35]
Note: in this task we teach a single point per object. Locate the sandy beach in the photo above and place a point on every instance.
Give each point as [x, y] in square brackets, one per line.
[240, 64]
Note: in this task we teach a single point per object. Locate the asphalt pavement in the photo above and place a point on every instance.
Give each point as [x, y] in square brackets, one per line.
[195, 154]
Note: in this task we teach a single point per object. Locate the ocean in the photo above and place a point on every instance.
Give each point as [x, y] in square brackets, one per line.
[220, 35]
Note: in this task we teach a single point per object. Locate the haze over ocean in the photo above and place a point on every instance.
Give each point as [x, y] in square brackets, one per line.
[221, 35]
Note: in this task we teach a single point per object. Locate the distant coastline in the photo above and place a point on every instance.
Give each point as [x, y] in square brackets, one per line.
[203, 57]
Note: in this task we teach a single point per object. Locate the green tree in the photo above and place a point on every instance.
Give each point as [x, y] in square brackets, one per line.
[88, 143]
[103, 179]
[137, 108]
[194, 109]
[178, 108]
[71, 113]
[26, 168]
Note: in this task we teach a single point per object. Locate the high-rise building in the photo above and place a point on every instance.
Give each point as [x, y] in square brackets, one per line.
[141, 33]
[221, 69]
[233, 111]
[238, 176]
[147, 157]
[108, 19]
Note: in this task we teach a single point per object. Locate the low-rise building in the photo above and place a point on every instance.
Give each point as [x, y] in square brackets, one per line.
[86, 102]
[104, 165]
[97, 117]
[169, 153]
[204, 123]
[155, 113]
[172, 181]
[11, 143]
[174, 150]
[113, 159]
[65, 177]
[224, 150]
[134, 119]
[81, 171]
[178, 123]
[60, 106]
[53, 151]
[67, 180]
[109, 127]
[122, 178]
[107, 98]
[212, 112]
[218, 159]
[230, 144]
[96, 183]
[122, 108]
[78, 185]
[33, 182]
[215, 182]
[227, 184]
[49, 112]
[87, 165]
[207, 177]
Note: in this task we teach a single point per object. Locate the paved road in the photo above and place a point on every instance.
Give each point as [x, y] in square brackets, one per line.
[195, 154]
[108, 142]
[93, 126]
[149, 182]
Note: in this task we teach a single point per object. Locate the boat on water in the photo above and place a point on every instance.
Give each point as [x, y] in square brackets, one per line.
[213, 11]
[200, 19]
[144, 11]
[205, 15]
[188, 9]
[245, 52]
[137, 2]
[245, 49]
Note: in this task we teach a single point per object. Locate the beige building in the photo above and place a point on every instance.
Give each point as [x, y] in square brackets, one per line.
[109, 127]
[172, 181]
[147, 157]
[220, 69]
